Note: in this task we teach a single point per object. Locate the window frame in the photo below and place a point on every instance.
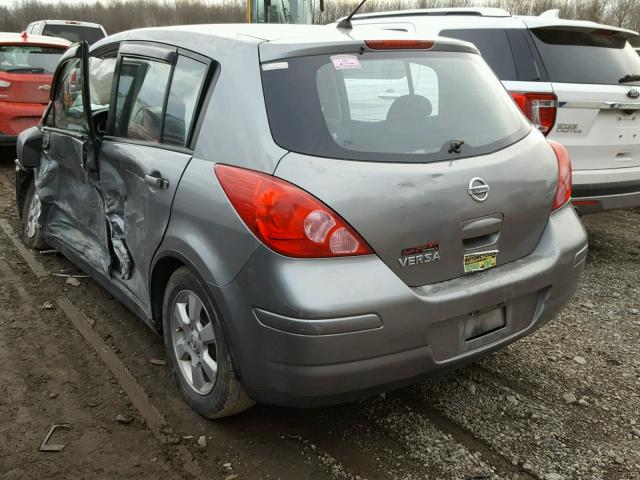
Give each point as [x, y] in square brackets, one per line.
[169, 54]
[50, 112]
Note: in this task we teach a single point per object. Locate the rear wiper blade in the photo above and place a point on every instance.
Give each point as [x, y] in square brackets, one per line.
[629, 78]
[25, 69]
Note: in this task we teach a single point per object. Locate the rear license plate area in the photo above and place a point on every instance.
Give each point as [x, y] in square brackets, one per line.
[484, 322]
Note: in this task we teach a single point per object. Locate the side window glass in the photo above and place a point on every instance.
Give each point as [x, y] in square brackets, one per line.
[141, 91]
[525, 61]
[68, 110]
[186, 84]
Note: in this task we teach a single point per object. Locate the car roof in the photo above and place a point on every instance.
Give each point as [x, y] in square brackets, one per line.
[70, 22]
[29, 39]
[197, 37]
[484, 18]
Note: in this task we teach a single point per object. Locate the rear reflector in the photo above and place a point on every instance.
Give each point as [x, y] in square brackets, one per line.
[400, 44]
[540, 108]
[286, 218]
[564, 186]
[584, 203]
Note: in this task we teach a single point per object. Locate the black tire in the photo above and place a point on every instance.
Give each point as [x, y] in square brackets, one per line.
[31, 237]
[228, 396]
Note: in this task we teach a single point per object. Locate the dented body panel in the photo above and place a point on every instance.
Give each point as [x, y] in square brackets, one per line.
[137, 211]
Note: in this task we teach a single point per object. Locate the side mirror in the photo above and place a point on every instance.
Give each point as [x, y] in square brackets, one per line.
[29, 147]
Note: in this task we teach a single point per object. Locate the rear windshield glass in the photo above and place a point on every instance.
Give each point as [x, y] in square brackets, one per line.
[389, 106]
[74, 33]
[586, 57]
[29, 58]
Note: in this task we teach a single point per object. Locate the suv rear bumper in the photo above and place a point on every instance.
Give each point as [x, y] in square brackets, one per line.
[601, 190]
[349, 327]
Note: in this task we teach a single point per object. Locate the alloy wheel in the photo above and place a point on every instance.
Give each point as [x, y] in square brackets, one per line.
[194, 342]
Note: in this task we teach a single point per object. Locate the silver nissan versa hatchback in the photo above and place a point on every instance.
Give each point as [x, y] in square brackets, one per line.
[299, 239]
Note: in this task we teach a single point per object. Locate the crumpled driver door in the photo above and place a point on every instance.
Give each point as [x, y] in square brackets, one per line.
[72, 218]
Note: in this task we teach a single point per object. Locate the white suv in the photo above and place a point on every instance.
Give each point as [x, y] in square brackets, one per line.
[72, 30]
[579, 82]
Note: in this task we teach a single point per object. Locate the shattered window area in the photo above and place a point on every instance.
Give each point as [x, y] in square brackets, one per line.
[68, 111]
[183, 98]
[141, 92]
[101, 72]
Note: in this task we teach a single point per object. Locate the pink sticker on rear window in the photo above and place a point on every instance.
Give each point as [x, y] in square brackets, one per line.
[344, 62]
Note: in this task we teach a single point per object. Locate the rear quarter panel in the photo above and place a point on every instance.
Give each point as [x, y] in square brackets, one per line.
[205, 229]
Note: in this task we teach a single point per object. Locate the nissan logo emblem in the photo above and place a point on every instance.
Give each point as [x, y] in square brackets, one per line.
[478, 189]
[633, 93]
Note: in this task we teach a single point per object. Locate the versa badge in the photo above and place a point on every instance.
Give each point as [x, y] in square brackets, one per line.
[427, 253]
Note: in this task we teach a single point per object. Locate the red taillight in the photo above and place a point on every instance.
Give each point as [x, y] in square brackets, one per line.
[286, 218]
[400, 44]
[563, 189]
[540, 108]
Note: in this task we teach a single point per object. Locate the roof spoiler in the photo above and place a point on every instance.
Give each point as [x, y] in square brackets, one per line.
[594, 29]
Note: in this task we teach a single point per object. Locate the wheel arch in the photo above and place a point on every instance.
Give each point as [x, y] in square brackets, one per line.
[163, 266]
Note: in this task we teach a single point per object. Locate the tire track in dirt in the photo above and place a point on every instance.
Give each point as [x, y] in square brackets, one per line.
[39, 387]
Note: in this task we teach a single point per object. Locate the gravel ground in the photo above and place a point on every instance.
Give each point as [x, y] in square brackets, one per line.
[563, 403]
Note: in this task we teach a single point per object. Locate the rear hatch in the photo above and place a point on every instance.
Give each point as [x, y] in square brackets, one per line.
[595, 74]
[26, 72]
[400, 142]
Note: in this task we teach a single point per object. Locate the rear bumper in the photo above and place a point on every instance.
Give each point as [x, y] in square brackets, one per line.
[349, 327]
[602, 190]
[16, 117]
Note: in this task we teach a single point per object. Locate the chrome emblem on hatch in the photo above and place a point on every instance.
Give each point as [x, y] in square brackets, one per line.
[478, 189]
[633, 93]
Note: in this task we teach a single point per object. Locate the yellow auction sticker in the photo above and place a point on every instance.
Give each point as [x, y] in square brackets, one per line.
[475, 262]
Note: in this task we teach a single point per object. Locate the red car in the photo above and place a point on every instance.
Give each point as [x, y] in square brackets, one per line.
[27, 63]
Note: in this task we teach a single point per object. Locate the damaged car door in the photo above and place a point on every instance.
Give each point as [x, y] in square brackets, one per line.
[157, 90]
[72, 217]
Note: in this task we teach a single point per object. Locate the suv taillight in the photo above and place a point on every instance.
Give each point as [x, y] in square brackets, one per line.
[564, 187]
[540, 108]
[286, 218]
